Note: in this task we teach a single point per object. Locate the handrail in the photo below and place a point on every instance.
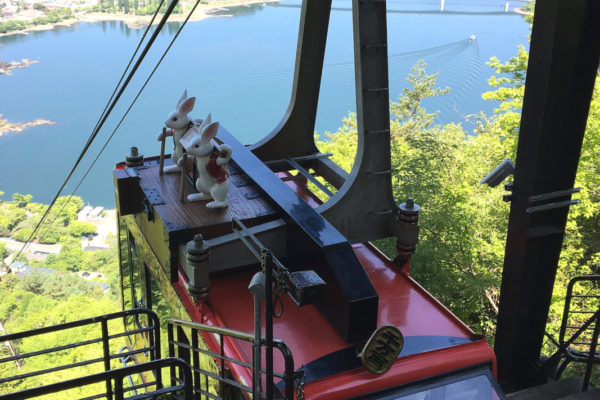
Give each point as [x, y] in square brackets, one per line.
[569, 295]
[212, 329]
[287, 376]
[105, 339]
[81, 322]
[591, 357]
[117, 375]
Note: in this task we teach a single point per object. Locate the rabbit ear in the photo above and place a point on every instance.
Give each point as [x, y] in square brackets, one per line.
[187, 105]
[182, 98]
[204, 123]
[210, 131]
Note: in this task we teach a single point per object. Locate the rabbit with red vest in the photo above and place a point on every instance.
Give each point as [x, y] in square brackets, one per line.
[213, 178]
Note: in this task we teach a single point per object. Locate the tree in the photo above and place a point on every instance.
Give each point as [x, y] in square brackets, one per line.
[40, 7]
[79, 229]
[463, 224]
[34, 282]
[22, 235]
[3, 251]
[71, 258]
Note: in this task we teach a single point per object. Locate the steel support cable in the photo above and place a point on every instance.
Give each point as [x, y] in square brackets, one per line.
[129, 64]
[109, 101]
[126, 112]
[103, 120]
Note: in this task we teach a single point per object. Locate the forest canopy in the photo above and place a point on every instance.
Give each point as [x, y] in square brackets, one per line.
[460, 253]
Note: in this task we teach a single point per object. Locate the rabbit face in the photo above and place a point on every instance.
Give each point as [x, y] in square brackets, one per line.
[201, 145]
[179, 119]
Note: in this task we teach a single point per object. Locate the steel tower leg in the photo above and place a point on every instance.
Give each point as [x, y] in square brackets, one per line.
[294, 135]
[563, 64]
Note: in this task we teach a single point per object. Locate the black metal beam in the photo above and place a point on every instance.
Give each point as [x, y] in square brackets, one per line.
[364, 209]
[294, 135]
[563, 64]
[351, 302]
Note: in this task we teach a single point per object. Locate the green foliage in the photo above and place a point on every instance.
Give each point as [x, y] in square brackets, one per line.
[150, 9]
[43, 299]
[40, 7]
[12, 25]
[23, 310]
[79, 229]
[21, 200]
[529, 8]
[581, 247]
[463, 224]
[19, 217]
[3, 251]
[53, 16]
[10, 216]
[22, 235]
[408, 113]
[71, 258]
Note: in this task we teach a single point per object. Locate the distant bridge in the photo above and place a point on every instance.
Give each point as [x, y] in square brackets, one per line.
[442, 10]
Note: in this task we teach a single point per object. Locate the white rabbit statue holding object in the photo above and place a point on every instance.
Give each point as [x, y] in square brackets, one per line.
[213, 177]
[180, 123]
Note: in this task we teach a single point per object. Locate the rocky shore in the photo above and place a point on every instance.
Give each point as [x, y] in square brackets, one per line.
[6, 67]
[137, 21]
[6, 127]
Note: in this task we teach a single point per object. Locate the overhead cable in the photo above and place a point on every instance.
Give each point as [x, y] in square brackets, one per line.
[108, 104]
[103, 119]
[128, 109]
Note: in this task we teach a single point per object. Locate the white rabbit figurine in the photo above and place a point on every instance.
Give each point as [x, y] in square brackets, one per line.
[180, 123]
[213, 177]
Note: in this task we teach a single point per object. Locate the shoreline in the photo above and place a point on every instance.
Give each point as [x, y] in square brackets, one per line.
[133, 21]
[521, 12]
[7, 67]
[8, 127]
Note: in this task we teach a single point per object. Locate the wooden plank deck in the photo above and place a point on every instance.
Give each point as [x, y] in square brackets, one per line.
[246, 202]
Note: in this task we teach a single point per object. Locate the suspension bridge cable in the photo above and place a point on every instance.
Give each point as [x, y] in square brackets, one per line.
[103, 120]
[126, 112]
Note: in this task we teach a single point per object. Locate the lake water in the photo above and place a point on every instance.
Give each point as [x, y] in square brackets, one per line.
[240, 68]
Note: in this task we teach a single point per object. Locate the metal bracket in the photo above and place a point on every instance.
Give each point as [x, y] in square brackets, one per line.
[252, 194]
[154, 196]
[303, 287]
[240, 180]
[308, 176]
[148, 209]
[551, 196]
[551, 206]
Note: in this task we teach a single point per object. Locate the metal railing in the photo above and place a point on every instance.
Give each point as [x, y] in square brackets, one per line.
[202, 376]
[580, 328]
[183, 390]
[106, 338]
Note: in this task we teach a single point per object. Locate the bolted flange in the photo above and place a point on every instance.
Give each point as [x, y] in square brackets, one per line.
[198, 253]
[408, 232]
[409, 211]
[134, 159]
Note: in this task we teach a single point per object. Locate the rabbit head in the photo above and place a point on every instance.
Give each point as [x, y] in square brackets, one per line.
[201, 145]
[179, 119]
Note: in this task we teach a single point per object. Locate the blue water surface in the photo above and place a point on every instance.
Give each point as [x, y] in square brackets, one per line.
[240, 68]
